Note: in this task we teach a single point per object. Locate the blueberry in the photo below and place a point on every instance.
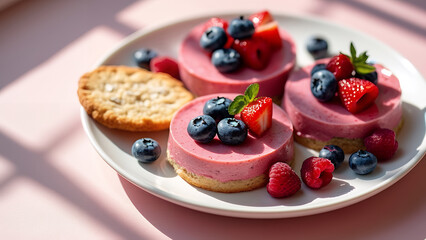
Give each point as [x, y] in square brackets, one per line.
[372, 77]
[362, 162]
[226, 60]
[202, 128]
[213, 38]
[317, 67]
[317, 47]
[231, 131]
[323, 85]
[240, 28]
[146, 150]
[143, 57]
[217, 108]
[333, 153]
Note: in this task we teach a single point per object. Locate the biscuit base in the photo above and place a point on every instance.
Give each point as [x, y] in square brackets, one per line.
[218, 186]
[348, 145]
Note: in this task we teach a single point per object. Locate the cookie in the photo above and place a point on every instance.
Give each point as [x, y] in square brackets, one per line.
[131, 98]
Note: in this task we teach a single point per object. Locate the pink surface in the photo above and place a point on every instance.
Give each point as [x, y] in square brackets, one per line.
[225, 162]
[202, 78]
[53, 185]
[325, 120]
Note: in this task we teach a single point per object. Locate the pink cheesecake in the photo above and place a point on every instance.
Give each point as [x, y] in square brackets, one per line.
[225, 168]
[202, 78]
[319, 123]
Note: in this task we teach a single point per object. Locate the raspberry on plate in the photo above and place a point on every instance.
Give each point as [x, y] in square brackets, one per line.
[382, 143]
[283, 181]
[317, 172]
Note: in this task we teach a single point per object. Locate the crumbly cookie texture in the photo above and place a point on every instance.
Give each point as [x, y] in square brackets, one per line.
[131, 98]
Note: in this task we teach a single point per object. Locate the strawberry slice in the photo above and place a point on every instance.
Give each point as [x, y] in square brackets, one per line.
[269, 33]
[261, 18]
[254, 51]
[341, 66]
[357, 94]
[257, 115]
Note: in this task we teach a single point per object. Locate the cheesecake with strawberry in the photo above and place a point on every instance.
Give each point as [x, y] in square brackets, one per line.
[341, 100]
[221, 56]
[227, 143]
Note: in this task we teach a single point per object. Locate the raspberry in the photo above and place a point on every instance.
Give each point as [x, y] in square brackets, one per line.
[165, 65]
[283, 181]
[317, 172]
[382, 144]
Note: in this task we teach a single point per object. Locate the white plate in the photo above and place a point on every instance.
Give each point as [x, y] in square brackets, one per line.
[346, 188]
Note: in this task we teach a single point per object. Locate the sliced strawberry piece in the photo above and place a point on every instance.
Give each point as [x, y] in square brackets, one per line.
[257, 115]
[261, 18]
[357, 94]
[215, 22]
[254, 51]
[341, 66]
[269, 33]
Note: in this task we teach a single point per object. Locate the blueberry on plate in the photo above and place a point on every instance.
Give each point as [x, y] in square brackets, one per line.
[317, 47]
[202, 128]
[146, 150]
[217, 108]
[323, 85]
[240, 28]
[226, 60]
[317, 67]
[213, 38]
[372, 77]
[231, 131]
[143, 57]
[362, 162]
[333, 153]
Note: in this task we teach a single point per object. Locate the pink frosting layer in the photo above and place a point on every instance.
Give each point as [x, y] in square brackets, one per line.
[224, 162]
[323, 121]
[202, 78]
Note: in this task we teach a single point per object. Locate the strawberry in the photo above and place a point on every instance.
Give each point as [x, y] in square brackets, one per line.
[283, 181]
[256, 113]
[261, 18]
[254, 51]
[357, 94]
[269, 33]
[340, 66]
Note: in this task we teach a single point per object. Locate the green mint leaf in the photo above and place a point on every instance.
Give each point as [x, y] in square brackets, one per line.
[353, 52]
[237, 105]
[360, 62]
[364, 69]
[251, 92]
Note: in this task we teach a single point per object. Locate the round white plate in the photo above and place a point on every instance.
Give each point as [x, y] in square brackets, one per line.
[346, 188]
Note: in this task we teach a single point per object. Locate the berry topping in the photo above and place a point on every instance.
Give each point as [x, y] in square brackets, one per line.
[362, 162]
[323, 85]
[357, 94]
[143, 57]
[333, 153]
[213, 38]
[165, 65]
[317, 47]
[202, 128]
[372, 77]
[226, 60]
[216, 22]
[382, 143]
[317, 172]
[231, 131]
[146, 150]
[317, 67]
[254, 52]
[269, 33]
[240, 28]
[340, 66]
[283, 181]
[261, 18]
[255, 112]
[217, 108]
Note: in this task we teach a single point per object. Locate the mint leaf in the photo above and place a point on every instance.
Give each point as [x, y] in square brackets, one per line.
[252, 91]
[353, 52]
[360, 62]
[237, 105]
[365, 68]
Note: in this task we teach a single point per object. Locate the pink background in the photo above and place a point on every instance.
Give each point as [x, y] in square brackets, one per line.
[53, 185]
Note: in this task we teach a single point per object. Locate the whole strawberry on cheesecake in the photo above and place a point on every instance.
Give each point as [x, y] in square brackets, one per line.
[227, 55]
[342, 100]
[227, 142]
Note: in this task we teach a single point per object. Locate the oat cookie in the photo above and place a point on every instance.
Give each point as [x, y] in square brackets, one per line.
[131, 98]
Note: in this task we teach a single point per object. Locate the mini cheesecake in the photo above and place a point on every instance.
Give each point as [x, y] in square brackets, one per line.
[218, 167]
